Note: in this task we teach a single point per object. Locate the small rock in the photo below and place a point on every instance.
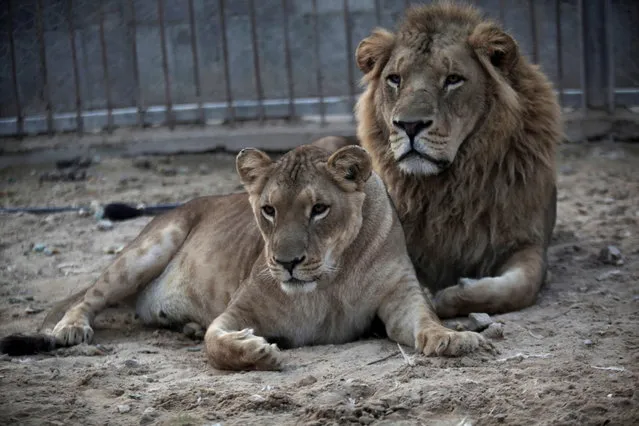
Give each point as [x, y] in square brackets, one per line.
[39, 247]
[114, 249]
[33, 311]
[256, 398]
[494, 331]
[135, 396]
[142, 163]
[105, 225]
[588, 342]
[50, 251]
[609, 274]
[611, 255]
[131, 363]
[124, 408]
[306, 381]
[479, 321]
[194, 349]
[84, 212]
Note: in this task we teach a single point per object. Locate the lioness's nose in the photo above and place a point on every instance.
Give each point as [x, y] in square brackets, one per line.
[412, 128]
[289, 265]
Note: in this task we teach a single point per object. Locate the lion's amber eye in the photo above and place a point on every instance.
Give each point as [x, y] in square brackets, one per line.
[268, 211]
[319, 209]
[453, 79]
[394, 79]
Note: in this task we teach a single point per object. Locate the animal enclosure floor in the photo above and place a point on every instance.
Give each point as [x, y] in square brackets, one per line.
[572, 358]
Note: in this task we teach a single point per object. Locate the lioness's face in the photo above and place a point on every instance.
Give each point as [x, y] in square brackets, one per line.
[308, 208]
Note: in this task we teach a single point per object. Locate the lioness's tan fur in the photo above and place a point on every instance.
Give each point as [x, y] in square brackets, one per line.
[272, 266]
[477, 222]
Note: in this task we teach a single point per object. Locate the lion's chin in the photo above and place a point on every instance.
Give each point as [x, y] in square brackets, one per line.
[417, 165]
[295, 286]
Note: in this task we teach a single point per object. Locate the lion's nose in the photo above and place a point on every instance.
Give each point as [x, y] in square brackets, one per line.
[289, 265]
[412, 128]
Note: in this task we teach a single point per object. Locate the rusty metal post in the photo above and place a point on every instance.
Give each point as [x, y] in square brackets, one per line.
[136, 67]
[256, 62]
[289, 64]
[560, 56]
[14, 72]
[534, 29]
[349, 59]
[43, 68]
[196, 64]
[318, 63]
[165, 67]
[76, 73]
[105, 71]
[227, 72]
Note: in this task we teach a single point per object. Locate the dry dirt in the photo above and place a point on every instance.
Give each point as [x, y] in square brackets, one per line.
[573, 358]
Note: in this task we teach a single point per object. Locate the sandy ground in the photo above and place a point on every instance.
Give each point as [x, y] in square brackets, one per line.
[573, 358]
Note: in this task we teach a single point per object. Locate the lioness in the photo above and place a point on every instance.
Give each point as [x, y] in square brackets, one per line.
[463, 131]
[310, 255]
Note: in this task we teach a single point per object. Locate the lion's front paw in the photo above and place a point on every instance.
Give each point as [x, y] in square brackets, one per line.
[72, 333]
[444, 342]
[242, 350]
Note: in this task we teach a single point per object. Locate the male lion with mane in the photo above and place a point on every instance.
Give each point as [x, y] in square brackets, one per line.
[463, 131]
[311, 254]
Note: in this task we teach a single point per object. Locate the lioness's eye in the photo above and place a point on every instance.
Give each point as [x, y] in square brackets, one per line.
[394, 79]
[453, 79]
[268, 211]
[319, 209]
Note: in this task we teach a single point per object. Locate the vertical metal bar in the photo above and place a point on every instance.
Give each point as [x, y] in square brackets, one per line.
[534, 30]
[289, 64]
[502, 12]
[227, 72]
[136, 66]
[196, 64]
[256, 62]
[105, 70]
[318, 64]
[582, 59]
[378, 13]
[14, 72]
[76, 73]
[610, 56]
[165, 67]
[43, 68]
[560, 56]
[349, 59]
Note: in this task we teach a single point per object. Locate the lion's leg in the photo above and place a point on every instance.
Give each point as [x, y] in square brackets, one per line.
[515, 287]
[411, 320]
[232, 345]
[139, 263]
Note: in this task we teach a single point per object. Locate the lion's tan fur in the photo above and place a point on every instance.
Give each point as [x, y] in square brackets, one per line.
[498, 196]
[219, 262]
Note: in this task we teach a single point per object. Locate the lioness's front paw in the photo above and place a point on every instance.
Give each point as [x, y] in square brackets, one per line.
[242, 350]
[444, 342]
[74, 333]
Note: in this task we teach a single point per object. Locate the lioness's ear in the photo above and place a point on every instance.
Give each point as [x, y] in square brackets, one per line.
[491, 42]
[252, 166]
[350, 166]
[374, 49]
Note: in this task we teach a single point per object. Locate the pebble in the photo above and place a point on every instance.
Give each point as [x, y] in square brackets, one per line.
[588, 342]
[124, 408]
[479, 321]
[611, 255]
[39, 247]
[256, 398]
[494, 331]
[142, 163]
[105, 225]
[33, 311]
[609, 274]
[131, 363]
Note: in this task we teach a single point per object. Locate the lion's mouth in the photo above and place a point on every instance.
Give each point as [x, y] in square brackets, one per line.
[413, 153]
[296, 281]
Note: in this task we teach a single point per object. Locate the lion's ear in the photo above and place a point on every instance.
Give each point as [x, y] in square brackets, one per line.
[350, 166]
[491, 42]
[374, 49]
[252, 166]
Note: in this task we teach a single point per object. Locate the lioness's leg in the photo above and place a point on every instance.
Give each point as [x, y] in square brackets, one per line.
[515, 287]
[411, 320]
[139, 263]
[231, 345]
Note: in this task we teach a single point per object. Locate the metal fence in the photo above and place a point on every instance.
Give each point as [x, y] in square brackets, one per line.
[87, 65]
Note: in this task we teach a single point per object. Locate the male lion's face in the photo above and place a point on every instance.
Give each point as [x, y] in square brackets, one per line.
[430, 104]
[308, 208]
[431, 83]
